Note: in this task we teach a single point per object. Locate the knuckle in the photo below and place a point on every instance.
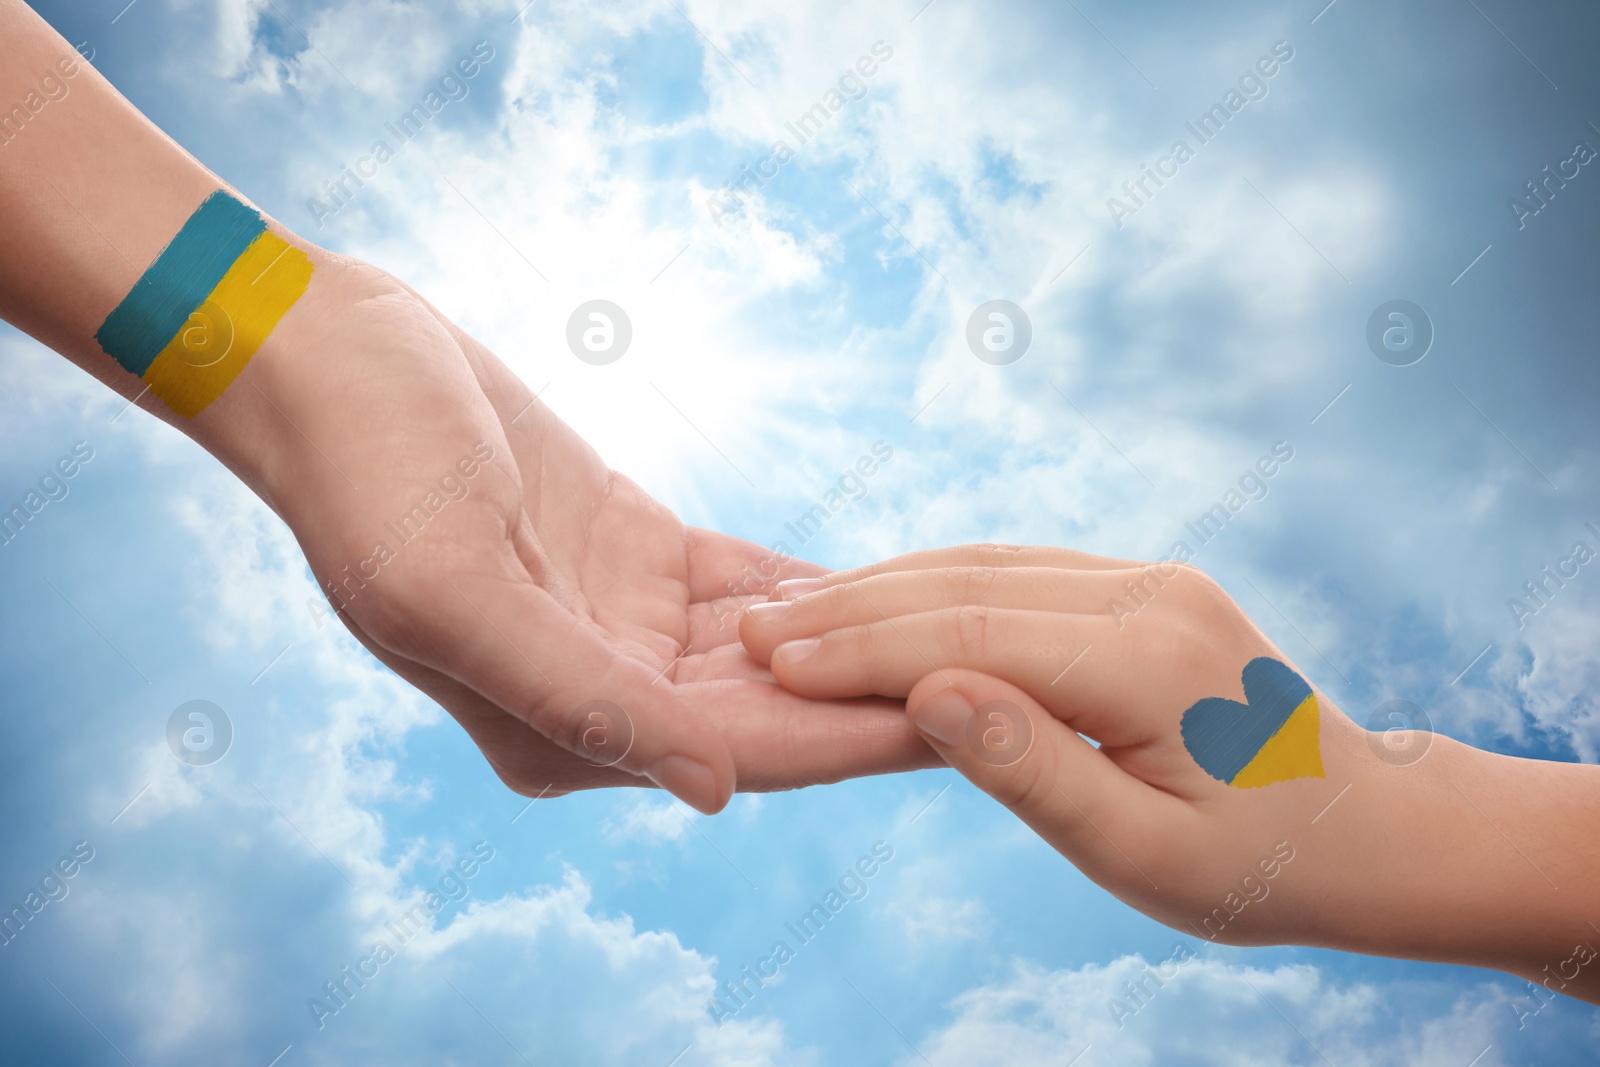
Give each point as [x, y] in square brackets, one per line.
[1194, 622]
[1028, 785]
[968, 585]
[971, 630]
[1197, 590]
[992, 554]
[835, 600]
[863, 641]
[597, 731]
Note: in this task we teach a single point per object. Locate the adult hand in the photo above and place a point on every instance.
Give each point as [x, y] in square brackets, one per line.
[466, 536]
[1399, 844]
[551, 583]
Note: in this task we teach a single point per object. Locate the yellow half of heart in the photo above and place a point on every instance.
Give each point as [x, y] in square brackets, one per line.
[1292, 752]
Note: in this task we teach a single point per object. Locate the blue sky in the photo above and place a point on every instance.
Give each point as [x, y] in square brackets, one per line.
[827, 313]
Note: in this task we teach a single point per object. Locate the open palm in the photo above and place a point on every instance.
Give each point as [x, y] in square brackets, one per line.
[562, 615]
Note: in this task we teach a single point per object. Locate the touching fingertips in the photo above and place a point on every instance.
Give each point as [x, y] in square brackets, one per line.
[795, 587]
[771, 611]
[792, 653]
[945, 718]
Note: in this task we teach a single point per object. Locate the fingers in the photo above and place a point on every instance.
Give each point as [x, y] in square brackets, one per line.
[975, 556]
[764, 627]
[816, 743]
[783, 741]
[525, 760]
[494, 596]
[486, 624]
[889, 656]
[1108, 823]
[723, 566]
[1085, 669]
[726, 575]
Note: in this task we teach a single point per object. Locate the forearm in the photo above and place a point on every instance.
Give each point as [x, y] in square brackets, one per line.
[1469, 857]
[91, 193]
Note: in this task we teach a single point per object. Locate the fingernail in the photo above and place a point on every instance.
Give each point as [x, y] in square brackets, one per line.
[771, 611]
[945, 717]
[798, 587]
[687, 779]
[793, 652]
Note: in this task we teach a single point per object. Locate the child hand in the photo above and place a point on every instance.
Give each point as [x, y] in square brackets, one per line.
[1221, 777]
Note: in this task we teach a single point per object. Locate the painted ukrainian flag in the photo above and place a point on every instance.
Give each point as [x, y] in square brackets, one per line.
[204, 307]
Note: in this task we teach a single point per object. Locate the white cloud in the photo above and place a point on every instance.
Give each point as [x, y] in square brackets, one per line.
[1557, 684]
[648, 977]
[936, 918]
[749, 329]
[650, 821]
[1207, 1012]
[563, 181]
[313, 796]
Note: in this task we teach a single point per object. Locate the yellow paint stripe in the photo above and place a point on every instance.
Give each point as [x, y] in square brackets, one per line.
[1292, 752]
[222, 334]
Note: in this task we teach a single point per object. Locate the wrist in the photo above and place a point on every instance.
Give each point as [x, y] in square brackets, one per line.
[254, 427]
[1466, 857]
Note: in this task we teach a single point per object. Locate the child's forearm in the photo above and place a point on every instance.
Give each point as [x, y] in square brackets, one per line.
[1466, 857]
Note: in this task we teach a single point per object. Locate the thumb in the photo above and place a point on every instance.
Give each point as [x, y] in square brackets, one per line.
[1009, 746]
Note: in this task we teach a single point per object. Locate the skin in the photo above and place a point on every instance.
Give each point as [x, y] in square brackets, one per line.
[554, 583]
[1438, 852]
[557, 582]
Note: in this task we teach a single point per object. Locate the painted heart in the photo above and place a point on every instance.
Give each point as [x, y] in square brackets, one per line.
[1272, 737]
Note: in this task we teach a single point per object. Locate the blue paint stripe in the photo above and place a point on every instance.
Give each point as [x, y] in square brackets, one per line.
[179, 281]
